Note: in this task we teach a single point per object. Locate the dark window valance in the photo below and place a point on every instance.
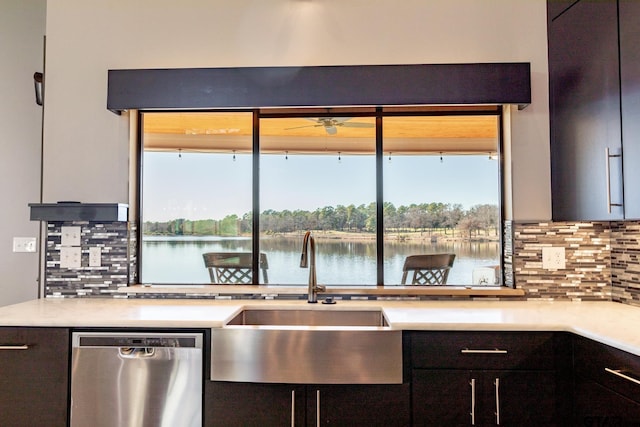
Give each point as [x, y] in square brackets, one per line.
[324, 86]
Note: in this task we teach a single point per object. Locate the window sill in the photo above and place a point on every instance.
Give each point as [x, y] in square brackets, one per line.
[275, 290]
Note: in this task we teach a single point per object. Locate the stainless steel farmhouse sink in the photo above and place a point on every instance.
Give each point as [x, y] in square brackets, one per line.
[307, 346]
[310, 318]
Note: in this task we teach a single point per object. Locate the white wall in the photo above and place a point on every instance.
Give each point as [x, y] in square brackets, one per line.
[86, 150]
[22, 27]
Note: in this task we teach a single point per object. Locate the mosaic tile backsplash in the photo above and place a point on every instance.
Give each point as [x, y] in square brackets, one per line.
[587, 273]
[602, 261]
[625, 262]
[117, 246]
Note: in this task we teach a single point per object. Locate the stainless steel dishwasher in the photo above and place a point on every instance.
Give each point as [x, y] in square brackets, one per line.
[136, 379]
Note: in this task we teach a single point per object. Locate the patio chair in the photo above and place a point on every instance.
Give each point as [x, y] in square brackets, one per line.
[233, 267]
[430, 269]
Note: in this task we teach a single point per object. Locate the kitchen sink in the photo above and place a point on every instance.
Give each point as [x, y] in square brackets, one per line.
[307, 346]
[310, 318]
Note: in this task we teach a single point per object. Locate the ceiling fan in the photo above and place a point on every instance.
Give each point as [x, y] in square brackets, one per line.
[331, 124]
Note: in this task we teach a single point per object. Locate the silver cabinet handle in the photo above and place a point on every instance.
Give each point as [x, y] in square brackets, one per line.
[14, 347]
[607, 169]
[293, 408]
[618, 373]
[317, 408]
[480, 351]
[472, 383]
[497, 384]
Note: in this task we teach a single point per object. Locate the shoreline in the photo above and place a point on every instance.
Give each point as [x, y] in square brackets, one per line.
[397, 237]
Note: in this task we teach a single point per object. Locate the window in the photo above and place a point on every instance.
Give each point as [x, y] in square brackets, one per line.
[374, 187]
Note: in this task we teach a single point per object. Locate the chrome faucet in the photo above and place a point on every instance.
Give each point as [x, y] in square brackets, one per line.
[309, 245]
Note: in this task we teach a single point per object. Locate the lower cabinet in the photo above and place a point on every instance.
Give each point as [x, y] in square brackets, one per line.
[483, 398]
[489, 378]
[243, 404]
[596, 405]
[34, 373]
[607, 385]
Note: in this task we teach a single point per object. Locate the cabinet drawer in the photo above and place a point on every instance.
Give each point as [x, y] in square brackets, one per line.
[483, 350]
[613, 368]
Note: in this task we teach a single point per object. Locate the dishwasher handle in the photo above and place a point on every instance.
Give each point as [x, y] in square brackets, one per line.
[136, 352]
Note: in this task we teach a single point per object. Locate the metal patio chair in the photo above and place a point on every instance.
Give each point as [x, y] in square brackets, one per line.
[233, 267]
[430, 269]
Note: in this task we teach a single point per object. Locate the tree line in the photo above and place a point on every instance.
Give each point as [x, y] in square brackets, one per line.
[423, 217]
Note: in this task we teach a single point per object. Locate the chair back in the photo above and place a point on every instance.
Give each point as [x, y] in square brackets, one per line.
[430, 269]
[233, 267]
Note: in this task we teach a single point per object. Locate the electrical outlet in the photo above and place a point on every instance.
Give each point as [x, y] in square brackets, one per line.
[95, 256]
[70, 257]
[70, 236]
[553, 258]
[24, 244]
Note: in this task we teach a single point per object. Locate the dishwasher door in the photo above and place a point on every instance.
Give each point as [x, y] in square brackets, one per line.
[136, 379]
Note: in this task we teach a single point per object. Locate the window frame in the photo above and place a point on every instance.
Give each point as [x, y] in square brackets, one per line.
[379, 113]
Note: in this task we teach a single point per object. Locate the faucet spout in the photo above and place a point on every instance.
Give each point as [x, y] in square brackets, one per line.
[308, 260]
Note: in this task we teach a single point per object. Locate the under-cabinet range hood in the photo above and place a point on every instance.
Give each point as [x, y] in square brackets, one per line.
[76, 211]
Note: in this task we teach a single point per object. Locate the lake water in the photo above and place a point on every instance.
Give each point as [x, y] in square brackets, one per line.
[167, 260]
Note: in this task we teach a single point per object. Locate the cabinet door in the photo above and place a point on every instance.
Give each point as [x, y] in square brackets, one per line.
[445, 397]
[596, 405]
[34, 371]
[519, 398]
[630, 84]
[585, 112]
[358, 405]
[243, 404]
[484, 398]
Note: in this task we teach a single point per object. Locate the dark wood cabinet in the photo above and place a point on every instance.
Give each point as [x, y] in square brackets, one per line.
[34, 371]
[484, 398]
[606, 386]
[584, 95]
[629, 14]
[231, 404]
[594, 95]
[488, 378]
[596, 405]
[244, 404]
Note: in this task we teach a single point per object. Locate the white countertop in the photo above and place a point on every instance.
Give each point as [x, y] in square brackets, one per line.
[607, 322]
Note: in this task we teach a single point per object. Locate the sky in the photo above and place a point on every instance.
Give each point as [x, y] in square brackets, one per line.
[202, 186]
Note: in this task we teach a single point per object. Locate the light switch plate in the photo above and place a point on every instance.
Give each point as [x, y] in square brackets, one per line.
[70, 236]
[95, 256]
[553, 258]
[70, 257]
[24, 244]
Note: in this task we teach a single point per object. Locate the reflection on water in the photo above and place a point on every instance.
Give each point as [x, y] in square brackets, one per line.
[339, 262]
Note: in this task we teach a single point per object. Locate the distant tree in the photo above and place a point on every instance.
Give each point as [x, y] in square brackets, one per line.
[229, 225]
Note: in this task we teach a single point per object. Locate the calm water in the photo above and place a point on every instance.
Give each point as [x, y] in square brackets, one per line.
[179, 259]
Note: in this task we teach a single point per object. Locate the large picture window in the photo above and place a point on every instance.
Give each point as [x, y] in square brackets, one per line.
[226, 195]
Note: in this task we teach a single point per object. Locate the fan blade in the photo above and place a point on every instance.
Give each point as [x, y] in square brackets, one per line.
[305, 126]
[357, 125]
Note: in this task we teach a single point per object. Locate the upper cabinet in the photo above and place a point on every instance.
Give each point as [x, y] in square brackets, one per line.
[630, 90]
[584, 84]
